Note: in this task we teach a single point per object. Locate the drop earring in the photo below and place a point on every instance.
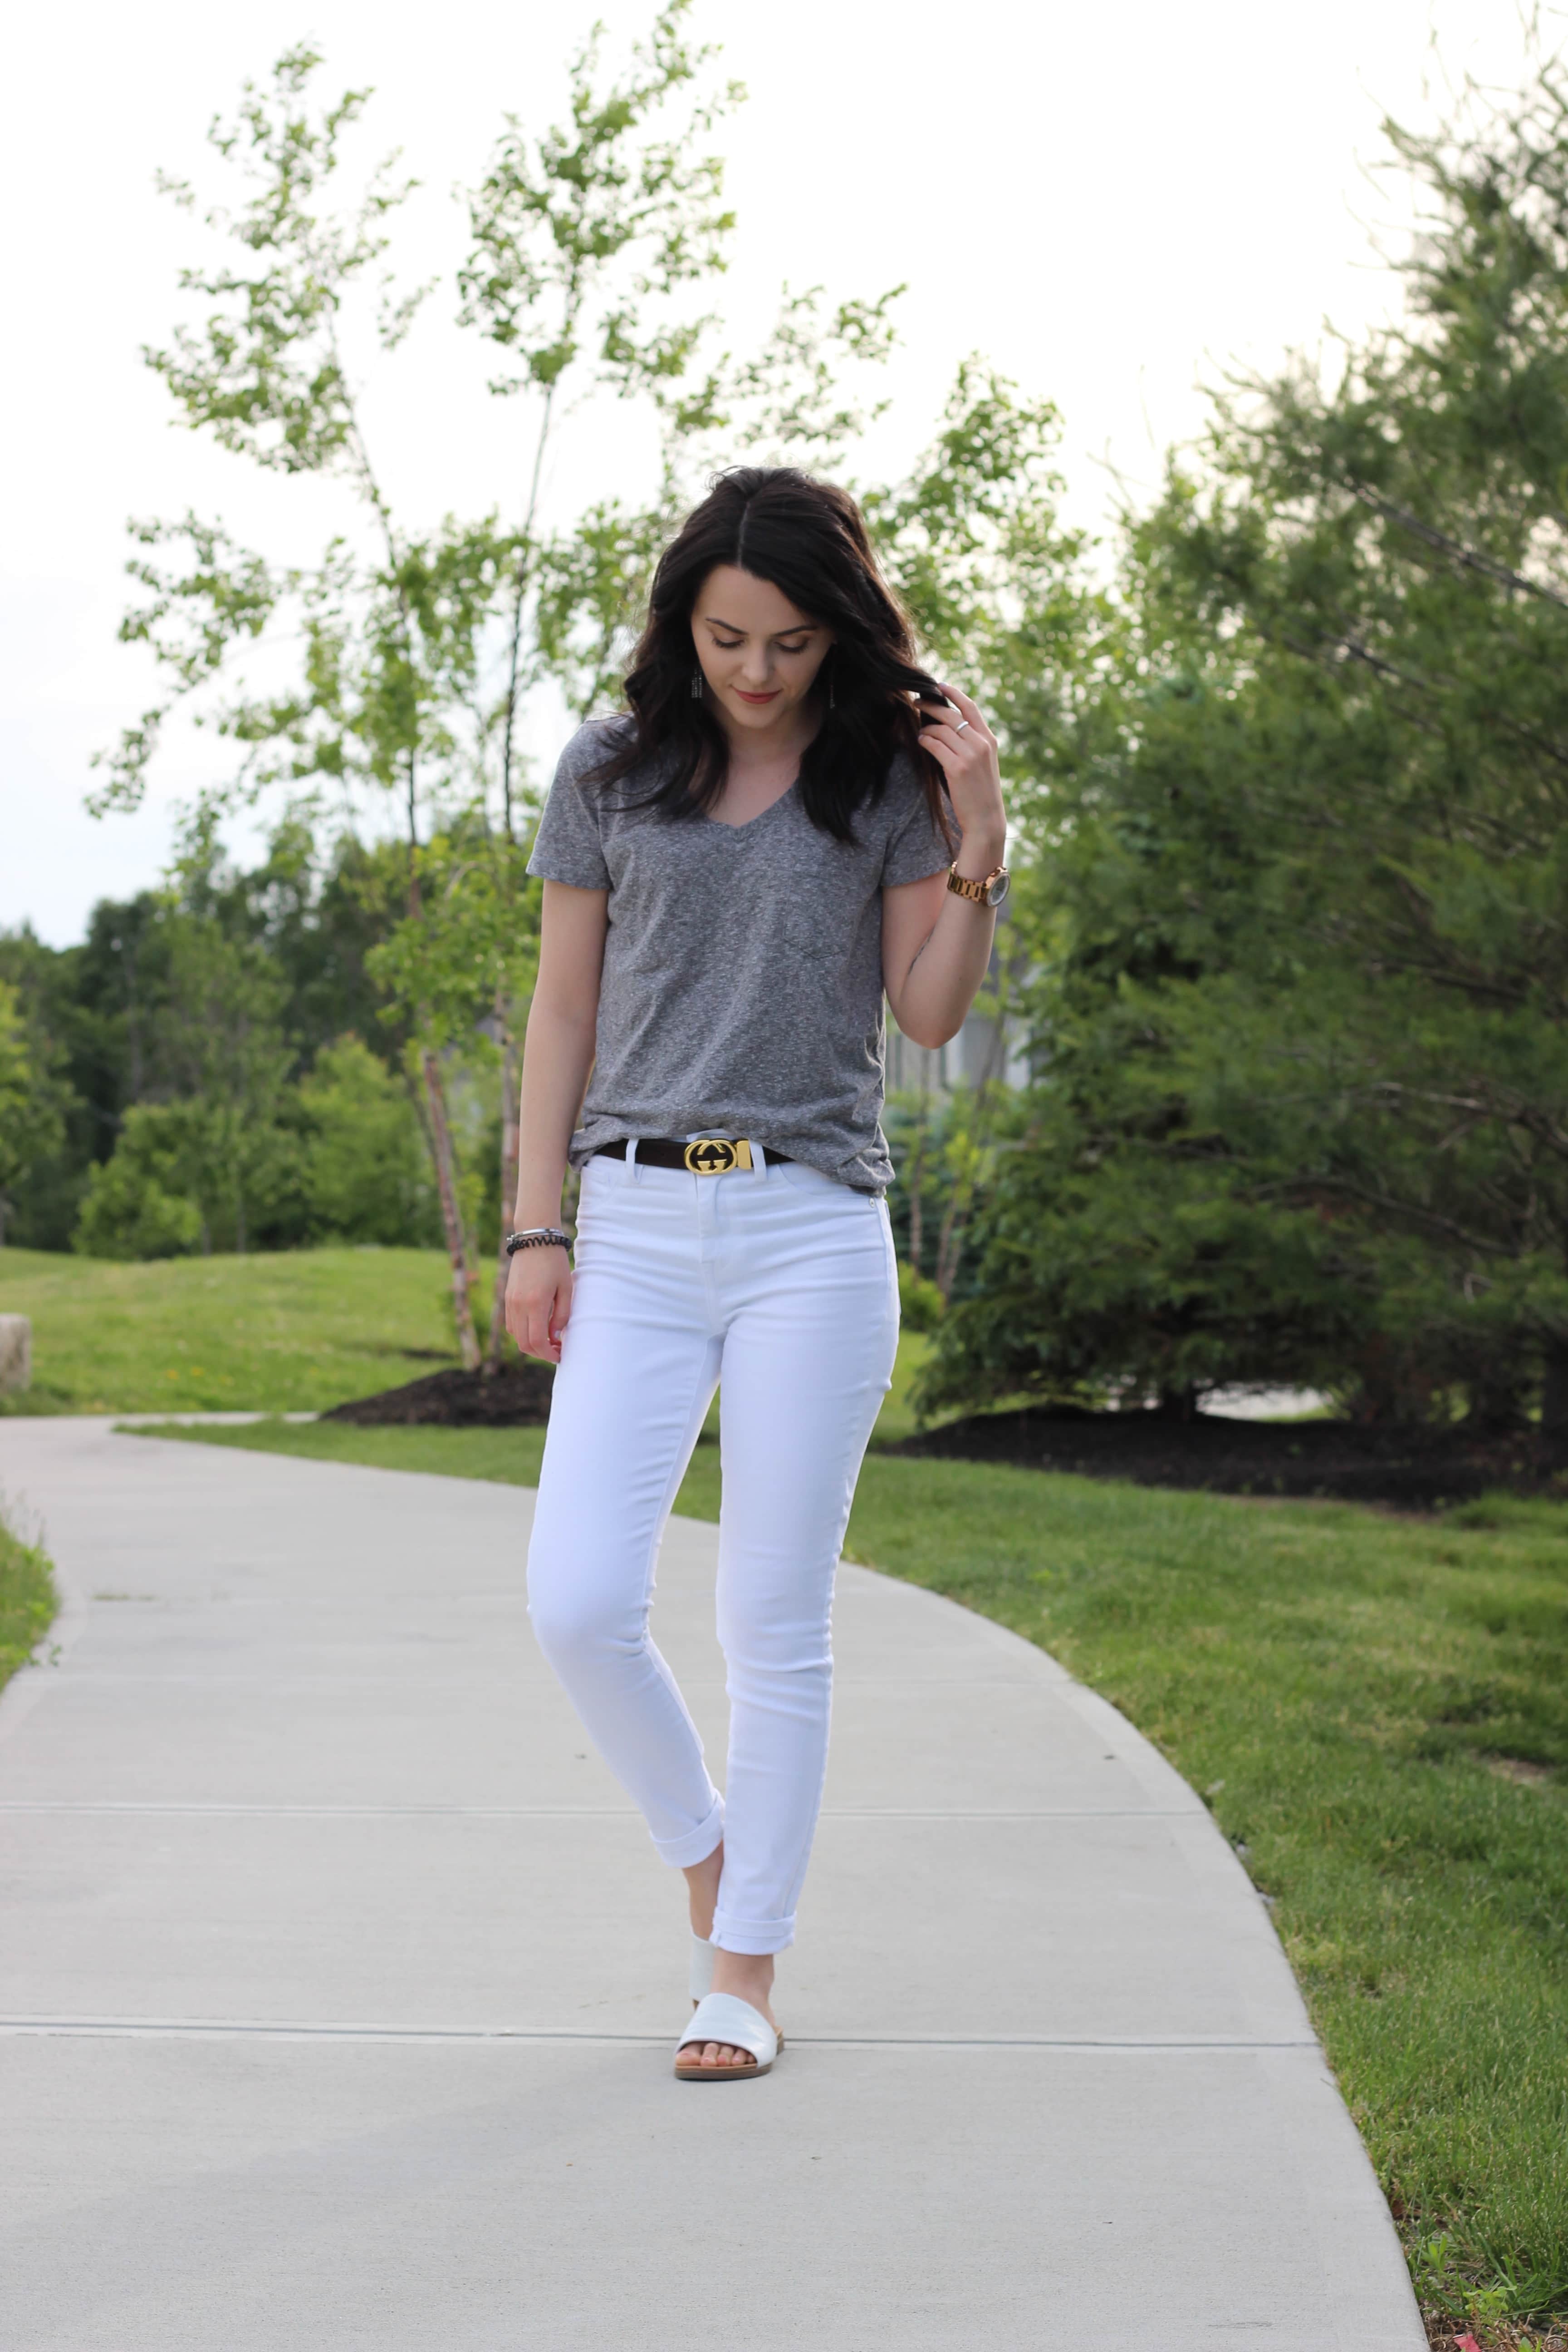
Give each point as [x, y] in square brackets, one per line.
[697, 685]
[832, 692]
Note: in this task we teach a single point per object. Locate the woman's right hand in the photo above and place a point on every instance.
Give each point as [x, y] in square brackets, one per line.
[539, 1300]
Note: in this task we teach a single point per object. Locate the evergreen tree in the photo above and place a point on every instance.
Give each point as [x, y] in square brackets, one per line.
[1298, 904]
[30, 1106]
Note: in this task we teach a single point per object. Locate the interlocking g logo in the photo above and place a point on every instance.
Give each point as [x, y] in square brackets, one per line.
[711, 1155]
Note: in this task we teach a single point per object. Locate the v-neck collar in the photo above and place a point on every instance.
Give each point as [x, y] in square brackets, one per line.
[762, 815]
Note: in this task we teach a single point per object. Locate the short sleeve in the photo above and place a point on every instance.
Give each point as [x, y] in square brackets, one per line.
[567, 846]
[915, 844]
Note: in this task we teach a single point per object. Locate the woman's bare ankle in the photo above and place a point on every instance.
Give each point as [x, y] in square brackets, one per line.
[703, 1889]
[748, 1975]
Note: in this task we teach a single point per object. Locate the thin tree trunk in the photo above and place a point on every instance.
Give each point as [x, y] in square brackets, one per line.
[950, 1242]
[133, 1023]
[1554, 1394]
[950, 1245]
[445, 1162]
[917, 1180]
[451, 1208]
[441, 1151]
[519, 599]
[513, 664]
[510, 1139]
[429, 1068]
[1177, 1404]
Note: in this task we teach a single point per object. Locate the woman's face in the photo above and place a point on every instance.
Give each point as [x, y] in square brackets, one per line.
[759, 655]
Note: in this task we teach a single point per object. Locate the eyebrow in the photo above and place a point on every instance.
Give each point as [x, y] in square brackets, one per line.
[796, 629]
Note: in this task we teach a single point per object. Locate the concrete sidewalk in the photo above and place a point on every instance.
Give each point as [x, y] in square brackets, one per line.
[339, 1982]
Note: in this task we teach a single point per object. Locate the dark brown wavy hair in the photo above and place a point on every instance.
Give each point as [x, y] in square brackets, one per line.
[809, 540]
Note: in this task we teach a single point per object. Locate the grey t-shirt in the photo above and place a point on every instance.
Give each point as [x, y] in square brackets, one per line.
[743, 982]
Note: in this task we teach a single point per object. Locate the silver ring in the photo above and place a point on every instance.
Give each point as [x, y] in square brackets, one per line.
[961, 726]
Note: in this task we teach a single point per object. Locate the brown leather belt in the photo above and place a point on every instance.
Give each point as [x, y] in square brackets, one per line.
[706, 1155]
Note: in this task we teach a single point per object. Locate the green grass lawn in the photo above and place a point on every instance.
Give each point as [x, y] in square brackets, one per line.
[292, 1332]
[28, 1601]
[1377, 1711]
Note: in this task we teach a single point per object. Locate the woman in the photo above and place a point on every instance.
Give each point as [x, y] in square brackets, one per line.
[792, 819]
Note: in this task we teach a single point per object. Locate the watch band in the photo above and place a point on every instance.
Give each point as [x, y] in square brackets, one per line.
[983, 894]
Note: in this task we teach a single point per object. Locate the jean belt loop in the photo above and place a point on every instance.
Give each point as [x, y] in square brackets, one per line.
[760, 1163]
[633, 1171]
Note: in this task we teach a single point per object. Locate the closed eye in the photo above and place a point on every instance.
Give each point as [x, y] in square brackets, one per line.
[732, 645]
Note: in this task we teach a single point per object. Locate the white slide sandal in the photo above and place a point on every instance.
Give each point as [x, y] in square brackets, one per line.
[724, 2018]
[700, 1980]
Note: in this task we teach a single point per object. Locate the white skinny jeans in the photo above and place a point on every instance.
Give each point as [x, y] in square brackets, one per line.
[782, 1283]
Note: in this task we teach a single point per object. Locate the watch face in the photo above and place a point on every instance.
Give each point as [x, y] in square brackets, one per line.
[997, 890]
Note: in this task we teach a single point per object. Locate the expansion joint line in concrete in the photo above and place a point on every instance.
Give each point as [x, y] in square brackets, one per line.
[114, 1807]
[162, 2029]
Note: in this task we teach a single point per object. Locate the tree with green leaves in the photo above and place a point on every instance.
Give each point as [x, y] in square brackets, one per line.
[64, 1041]
[366, 1172]
[1298, 906]
[97, 1013]
[137, 1204]
[1003, 597]
[581, 236]
[419, 650]
[30, 1104]
[211, 1059]
[574, 236]
[804, 397]
[473, 944]
[220, 1055]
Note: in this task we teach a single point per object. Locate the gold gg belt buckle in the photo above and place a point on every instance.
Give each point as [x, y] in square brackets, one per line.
[715, 1155]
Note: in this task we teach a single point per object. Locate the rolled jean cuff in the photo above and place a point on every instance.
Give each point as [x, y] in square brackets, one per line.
[752, 1937]
[681, 1852]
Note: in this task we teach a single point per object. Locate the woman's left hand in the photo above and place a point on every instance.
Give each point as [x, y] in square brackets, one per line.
[965, 750]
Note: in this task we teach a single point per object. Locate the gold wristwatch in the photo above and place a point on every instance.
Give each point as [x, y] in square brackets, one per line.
[989, 893]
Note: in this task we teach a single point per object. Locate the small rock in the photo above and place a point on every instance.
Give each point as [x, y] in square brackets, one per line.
[15, 1354]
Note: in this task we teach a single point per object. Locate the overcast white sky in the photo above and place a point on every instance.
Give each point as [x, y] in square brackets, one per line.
[1114, 203]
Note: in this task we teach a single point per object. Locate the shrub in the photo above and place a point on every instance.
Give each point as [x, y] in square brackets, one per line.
[367, 1175]
[133, 1206]
[920, 1303]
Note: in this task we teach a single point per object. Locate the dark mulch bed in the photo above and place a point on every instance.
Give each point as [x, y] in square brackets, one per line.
[1414, 1468]
[516, 1396]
